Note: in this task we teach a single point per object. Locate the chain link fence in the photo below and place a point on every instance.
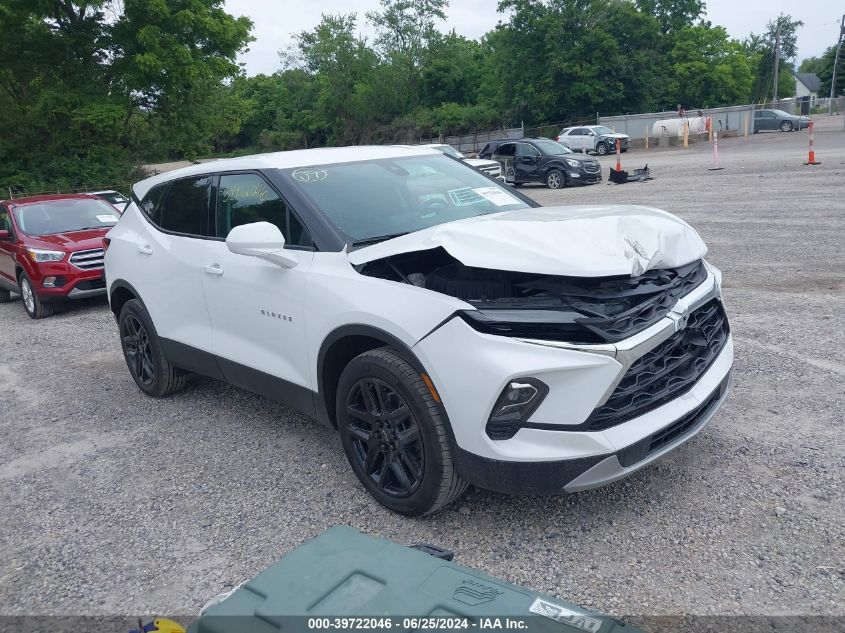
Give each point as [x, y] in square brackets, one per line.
[473, 143]
[13, 191]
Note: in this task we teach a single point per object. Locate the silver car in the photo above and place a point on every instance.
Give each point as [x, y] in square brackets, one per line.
[779, 120]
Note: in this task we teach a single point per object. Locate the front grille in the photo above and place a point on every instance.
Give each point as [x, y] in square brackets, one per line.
[621, 307]
[592, 168]
[668, 371]
[678, 429]
[88, 260]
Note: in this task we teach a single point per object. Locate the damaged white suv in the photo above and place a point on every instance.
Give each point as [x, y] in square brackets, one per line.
[451, 330]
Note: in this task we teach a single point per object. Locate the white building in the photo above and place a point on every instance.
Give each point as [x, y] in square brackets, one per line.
[807, 85]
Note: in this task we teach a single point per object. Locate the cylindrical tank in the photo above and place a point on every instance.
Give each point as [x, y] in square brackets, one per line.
[675, 127]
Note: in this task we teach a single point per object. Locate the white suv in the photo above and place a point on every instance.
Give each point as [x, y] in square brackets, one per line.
[593, 138]
[489, 167]
[451, 330]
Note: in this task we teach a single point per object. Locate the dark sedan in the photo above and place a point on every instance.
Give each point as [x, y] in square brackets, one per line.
[779, 120]
[546, 161]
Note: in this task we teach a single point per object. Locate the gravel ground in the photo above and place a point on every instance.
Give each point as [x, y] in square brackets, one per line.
[114, 503]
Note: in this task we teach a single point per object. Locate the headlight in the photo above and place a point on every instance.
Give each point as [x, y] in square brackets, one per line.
[545, 325]
[40, 255]
[572, 163]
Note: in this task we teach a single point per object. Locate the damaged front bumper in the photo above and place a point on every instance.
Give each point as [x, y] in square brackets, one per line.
[557, 449]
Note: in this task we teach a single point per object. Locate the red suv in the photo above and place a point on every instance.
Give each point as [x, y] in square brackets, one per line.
[51, 249]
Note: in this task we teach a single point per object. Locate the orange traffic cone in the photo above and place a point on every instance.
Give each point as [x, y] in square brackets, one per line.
[811, 159]
[618, 155]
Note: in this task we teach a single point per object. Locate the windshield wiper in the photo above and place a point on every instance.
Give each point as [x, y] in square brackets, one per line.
[378, 238]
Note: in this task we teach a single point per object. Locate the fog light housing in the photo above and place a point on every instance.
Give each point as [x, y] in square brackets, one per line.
[518, 400]
[53, 282]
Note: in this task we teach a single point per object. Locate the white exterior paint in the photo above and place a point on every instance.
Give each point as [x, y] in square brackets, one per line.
[220, 312]
[578, 241]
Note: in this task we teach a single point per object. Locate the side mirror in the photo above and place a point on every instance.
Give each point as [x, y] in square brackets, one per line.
[4, 235]
[262, 240]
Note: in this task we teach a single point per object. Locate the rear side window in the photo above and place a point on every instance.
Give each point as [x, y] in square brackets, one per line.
[246, 198]
[152, 202]
[508, 149]
[184, 209]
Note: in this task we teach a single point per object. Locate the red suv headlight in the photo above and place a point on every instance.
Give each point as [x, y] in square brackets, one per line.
[39, 255]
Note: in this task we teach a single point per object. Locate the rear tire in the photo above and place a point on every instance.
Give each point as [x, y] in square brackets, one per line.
[394, 436]
[143, 353]
[35, 308]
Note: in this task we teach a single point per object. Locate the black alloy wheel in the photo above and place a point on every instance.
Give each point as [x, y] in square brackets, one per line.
[139, 353]
[386, 437]
[395, 433]
[142, 350]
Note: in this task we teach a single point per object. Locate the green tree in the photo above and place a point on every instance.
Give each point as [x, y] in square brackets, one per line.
[673, 15]
[811, 65]
[567, 59]
[86, 93]
[763, 47]
[451, 71]
[824, 69]
[342, 66]
[405, 30]
[709, 68]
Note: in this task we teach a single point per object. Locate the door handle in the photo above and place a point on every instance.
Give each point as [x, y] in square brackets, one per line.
[213, 269]
[145, 249]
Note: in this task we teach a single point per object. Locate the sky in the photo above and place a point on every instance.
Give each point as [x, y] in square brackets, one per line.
[275, 22]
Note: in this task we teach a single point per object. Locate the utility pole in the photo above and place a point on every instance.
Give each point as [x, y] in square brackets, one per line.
[777, 66]
[835, 60]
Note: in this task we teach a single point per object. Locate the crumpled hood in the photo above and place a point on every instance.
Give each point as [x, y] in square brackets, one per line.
[576, 241]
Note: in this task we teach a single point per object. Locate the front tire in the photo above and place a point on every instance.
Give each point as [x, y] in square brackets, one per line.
[555, 179]
[601, 148]
[35, 308]
[143, 353]
[394, 436]
[786, 126]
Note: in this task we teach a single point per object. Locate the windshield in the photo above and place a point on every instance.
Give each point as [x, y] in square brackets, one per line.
[449, 151]
[781, 113]
[600, 129]
[64, 216]
[378, 199]
[552, 148]
[114, 197]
